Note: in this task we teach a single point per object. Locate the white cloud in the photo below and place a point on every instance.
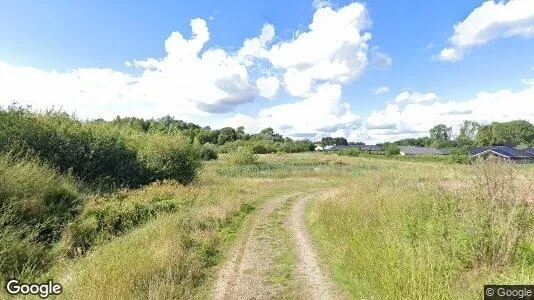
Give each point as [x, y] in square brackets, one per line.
[415, 119]
[333, 50]
[322, 112]
[381, 90]
[490, 21]
[256, 47]
[268, 86]
[415, 97]
[186, 82]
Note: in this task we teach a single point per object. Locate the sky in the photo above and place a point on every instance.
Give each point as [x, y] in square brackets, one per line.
[371, 71]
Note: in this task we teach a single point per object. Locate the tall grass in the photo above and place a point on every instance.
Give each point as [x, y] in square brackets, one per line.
[36, 203]
[395, 234]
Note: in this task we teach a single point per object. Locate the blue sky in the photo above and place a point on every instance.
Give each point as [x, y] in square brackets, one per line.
[440, 61]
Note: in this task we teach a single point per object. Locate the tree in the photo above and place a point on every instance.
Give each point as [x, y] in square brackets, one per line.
[269, 134]
[514, 133]
[240, 133]
[339, 141]
[226, 134]
[468, 132]
[327, 141]
[441, 133]
[484, 136]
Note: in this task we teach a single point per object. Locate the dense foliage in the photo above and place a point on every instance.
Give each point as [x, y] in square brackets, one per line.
[100, 153]
[517, 132]
[36, 203]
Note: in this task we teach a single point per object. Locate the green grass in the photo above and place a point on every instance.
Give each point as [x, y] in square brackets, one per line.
[282, 271]
[393, 228]
[36, 203]
[404, 231]
[173, 253]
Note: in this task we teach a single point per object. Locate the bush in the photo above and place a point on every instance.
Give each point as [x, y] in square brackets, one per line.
[168, 156]
[460, 156]
[36, 203]
[208, 152]
[260, 149]
[392, 149]
[95, 154]
[351, 152]
[100, 153]
[243, 156]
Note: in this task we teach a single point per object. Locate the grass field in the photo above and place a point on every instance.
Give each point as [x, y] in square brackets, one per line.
[427, 230]
[175, 254]
[390, 229]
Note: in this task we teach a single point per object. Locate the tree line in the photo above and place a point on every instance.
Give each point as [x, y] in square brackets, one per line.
[517, 133]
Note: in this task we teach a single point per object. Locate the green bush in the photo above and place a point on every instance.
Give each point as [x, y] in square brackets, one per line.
[168, 156]
[36, 203]
[392, 149]
[243, 156]
[460, 156]
[94, 153]
[350, 152]
[208, 152]
[260, 149]
[100, 153]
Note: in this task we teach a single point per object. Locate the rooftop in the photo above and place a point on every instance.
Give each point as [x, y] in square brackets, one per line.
[414, 150]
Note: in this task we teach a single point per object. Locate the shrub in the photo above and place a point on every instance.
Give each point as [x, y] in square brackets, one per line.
[168, 156]
[260, 149]
[243, 156]
[460, 156]
[208, 152]
[351, 152]
[392, 149]
[94, 153]
[36, 203]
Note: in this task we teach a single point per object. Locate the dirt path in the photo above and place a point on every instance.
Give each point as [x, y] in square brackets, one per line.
[276, 228]
[316, 283]
[243, 276]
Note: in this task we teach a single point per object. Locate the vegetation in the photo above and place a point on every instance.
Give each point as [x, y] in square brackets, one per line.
[35, 204]
[392, 149]
[515, 133]
[149, 208]
[428, 231]
[243, 156]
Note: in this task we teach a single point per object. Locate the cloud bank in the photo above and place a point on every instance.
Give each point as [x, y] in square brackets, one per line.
[490, 21]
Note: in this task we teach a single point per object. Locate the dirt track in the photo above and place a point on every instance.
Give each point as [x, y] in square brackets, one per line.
[244, 275]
